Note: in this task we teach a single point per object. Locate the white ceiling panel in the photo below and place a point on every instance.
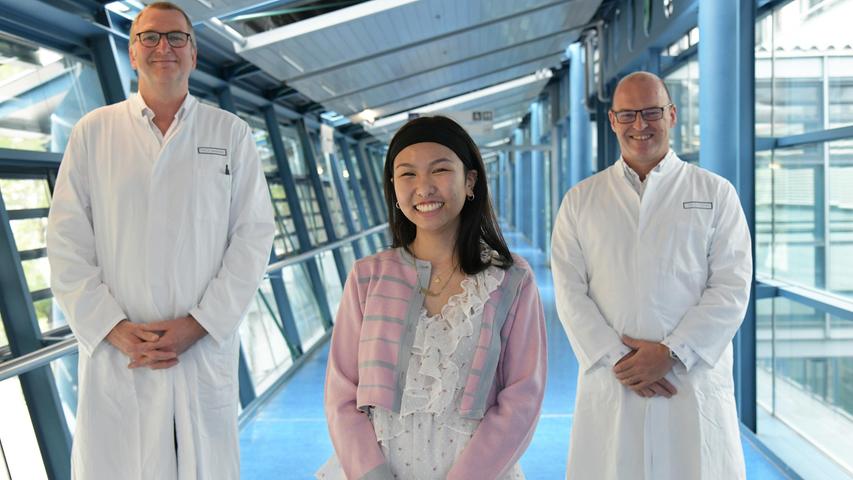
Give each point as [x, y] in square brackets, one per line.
[438, 94]
[422, 83]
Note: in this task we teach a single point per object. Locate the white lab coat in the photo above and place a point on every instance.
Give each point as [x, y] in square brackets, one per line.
[675, 267]
[149, 233]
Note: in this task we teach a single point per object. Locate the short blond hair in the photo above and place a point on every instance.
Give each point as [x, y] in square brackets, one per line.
[162, 6]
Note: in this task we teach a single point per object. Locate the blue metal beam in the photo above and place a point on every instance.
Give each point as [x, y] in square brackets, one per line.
[105, 53]
[580, 141]
[727, 84]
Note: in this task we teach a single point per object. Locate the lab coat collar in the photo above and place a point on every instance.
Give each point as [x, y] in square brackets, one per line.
[669, 162]
[138, 104]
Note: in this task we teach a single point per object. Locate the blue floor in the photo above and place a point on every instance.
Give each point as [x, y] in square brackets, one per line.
[287, 439]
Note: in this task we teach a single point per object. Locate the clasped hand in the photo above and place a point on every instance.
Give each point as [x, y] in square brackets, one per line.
[155, 345]
[643, 368]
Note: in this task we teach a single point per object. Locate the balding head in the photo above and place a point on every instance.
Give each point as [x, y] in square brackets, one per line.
[642, 80]
[643, 98]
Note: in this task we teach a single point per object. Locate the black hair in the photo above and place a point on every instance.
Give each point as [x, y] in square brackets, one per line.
[478, 224]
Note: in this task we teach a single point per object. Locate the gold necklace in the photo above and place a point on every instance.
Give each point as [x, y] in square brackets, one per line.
[430, 293]
[425, 290]
[437, 277]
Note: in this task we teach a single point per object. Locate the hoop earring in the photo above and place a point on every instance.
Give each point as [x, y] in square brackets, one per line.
[470, 197]
[397, 204]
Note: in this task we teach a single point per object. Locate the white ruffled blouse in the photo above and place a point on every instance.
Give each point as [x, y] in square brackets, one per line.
[425, 438]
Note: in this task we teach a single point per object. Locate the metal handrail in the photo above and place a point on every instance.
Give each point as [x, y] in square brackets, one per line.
[43, 356]
[31, 361]
[293, 260]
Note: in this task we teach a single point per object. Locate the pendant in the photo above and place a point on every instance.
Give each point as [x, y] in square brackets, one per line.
[427, 292]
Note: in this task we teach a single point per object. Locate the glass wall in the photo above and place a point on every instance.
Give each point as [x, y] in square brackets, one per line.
[804, 374]
[18, 443]
[804, 222]
[683, 85]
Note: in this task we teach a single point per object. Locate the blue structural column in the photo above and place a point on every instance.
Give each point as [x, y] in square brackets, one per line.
[580, 141]
[247, 387]
[519, 182]
[503, 195]
[40, 394]
[357, 193]
[537, 161]
[292, 195]
[727, 116]
[322, 202]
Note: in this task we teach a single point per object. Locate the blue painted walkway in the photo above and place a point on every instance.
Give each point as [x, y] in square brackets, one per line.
[288, 439]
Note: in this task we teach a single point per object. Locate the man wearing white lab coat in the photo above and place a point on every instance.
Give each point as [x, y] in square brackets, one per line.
[159, 232]
[652, 269]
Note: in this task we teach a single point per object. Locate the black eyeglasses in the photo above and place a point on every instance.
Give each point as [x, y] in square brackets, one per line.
[152, 39]
[649, 114]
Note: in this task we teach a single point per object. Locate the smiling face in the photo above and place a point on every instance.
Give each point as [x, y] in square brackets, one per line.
[643, 143]
[163, 67]
[431, 185]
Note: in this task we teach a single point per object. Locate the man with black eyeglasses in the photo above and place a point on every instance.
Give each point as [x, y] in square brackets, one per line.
[159, 233]
[652, 268]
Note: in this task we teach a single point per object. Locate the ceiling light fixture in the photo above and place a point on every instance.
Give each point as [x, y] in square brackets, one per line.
[506, 123]
[227, 30]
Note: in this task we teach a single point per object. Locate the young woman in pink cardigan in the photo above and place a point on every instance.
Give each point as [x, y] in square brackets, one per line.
[438, 358]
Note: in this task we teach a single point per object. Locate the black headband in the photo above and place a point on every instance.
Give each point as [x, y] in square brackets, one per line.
[426, 129]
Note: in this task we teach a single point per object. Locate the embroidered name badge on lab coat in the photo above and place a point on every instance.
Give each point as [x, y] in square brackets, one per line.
[213, 151]
[701, 205]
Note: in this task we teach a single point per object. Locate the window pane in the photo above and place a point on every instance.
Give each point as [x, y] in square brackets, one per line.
[286, 240]
[3, 340]
[805, 374]
[764, 195]
[293, 150]
[793, 186]
[262, 143]
[683, 85]
[840, 71]
[65, 377]
[43, 94]
[19, 194]
[329, 273]
[840, 258]
[311, 211]
[16, 433]
[37, 272]
[798, 49]
[49, 314]
[262, 336]
[306, 313]
[29, 233]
